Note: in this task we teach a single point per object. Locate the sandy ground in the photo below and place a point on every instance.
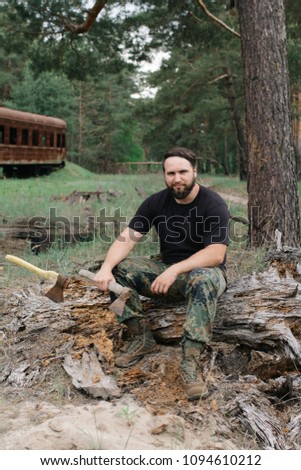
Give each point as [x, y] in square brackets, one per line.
[81, 422]
[101, 425]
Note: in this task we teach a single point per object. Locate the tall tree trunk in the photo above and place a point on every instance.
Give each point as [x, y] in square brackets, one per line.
[272, 184]
[297, 132]
[225, 156]
[242, 152]
[107, 147]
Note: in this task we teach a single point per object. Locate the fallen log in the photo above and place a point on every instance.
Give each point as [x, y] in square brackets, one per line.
[260, 312]
[42, 232]
[251, 366]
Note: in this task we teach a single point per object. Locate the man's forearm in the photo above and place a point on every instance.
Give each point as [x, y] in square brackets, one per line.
[121, 247]
[117, 252]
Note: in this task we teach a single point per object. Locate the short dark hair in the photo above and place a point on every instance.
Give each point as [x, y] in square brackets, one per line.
[181, 152]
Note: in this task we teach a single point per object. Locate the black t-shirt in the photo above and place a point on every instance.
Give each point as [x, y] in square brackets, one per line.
[183, 229]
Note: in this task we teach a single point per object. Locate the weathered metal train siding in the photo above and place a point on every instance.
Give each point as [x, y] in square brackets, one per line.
[43, 153]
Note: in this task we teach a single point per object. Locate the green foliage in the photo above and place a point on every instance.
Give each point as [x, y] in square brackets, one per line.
[191, 107]
[50, 93]
[41, 32]
[107, 131]
[11, 66]
[89, 79]
[293, 18]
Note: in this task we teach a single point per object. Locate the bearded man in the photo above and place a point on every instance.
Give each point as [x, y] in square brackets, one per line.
[192, 225]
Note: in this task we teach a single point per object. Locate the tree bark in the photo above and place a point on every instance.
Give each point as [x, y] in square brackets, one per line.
[272, 184]
[297, 132]
[92, 14]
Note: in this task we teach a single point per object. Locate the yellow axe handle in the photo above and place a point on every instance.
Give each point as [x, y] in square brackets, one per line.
[50, 275]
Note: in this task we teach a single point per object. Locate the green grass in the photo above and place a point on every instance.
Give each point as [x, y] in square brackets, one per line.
[35, 196]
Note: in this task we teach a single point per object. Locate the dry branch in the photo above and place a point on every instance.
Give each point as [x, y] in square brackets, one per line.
[88, 23]
[217, 20]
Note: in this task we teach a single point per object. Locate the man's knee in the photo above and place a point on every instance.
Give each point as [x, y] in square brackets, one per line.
[200, 277]
[126, 266]
[131, 272]
[206, 280]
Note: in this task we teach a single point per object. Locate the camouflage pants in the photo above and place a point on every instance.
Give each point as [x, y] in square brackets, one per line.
[200, 287]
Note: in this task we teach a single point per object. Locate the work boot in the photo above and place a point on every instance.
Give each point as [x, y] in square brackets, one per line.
[194, 386]
[143, 344]
[132, 328]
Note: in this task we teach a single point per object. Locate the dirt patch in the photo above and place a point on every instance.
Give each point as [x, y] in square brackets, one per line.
[16, 246]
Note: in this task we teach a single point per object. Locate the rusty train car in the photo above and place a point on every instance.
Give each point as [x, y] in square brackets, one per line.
[31, 143]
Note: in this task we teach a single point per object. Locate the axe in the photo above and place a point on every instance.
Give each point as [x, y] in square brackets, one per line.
[123, 292]
[56, 293]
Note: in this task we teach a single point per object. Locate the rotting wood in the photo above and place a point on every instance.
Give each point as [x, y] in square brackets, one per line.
[87, 375]
[252, 364]
[263, 315]
[262, 423]
[141, 192]
[42, 233]
[80, 197]
[294, 430]
[260, 311]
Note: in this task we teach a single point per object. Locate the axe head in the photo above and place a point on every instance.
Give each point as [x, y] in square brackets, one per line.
[118, 305]
[56, 293]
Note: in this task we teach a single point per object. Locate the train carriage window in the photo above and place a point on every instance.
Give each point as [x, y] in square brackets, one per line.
[51, 140]
[2, 129]
[44, 139]
[35, 138]
[24, 137]
[13, 135]
[58, 140]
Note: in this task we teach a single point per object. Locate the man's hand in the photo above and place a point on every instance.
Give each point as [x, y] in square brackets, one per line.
[103, 277]
[163, 282]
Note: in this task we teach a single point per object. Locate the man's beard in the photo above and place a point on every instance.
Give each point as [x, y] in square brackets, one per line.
[183, 192]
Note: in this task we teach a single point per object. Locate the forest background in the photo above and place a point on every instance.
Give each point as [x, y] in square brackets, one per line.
[226, 94]
[115, 110]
